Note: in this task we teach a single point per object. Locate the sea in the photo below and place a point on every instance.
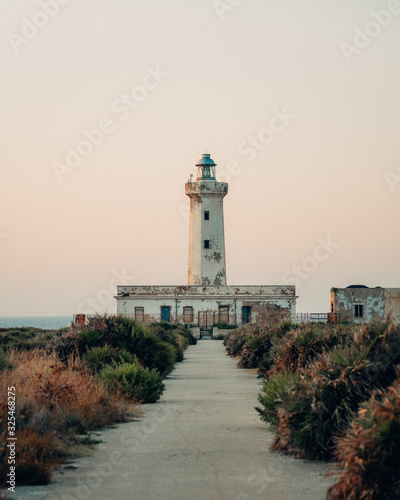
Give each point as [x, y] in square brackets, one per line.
[44, 322]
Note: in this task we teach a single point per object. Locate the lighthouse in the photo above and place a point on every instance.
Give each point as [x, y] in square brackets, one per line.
[207, 265]
[207, 300]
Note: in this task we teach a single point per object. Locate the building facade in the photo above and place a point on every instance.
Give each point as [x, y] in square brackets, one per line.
[207, 299]
[206, 306]
[361, 304]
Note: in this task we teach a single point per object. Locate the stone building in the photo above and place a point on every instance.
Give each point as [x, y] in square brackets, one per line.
[361, 304]
[207, 299]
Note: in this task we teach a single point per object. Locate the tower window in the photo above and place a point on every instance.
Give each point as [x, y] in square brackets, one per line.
[206, 243]
[358, 311]
[206, 215]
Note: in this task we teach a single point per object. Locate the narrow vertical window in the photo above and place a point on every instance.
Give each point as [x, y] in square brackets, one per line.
[139, 314]
[224, 314]
[358, 311]
[188, 315]
[206, 243]
[206, 215]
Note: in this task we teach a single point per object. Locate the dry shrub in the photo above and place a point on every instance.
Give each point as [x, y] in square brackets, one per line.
[59, 396]
[37, 456]
[369, 453]
[53, 399]
[322, 403]
[256, 349]
[321, 406]
[298, 347]
[236, 339]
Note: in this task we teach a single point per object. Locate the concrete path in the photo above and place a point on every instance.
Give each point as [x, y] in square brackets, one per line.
[203, 440]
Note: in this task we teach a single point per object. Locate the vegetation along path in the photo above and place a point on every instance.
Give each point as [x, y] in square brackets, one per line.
[203, 440]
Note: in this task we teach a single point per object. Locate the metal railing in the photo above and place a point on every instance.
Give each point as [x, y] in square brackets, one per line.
[312, 317]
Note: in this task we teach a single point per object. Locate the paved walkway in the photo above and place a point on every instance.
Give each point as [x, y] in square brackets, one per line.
[203, 440]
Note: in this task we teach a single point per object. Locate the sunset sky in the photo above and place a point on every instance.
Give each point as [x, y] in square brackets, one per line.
[108, 105]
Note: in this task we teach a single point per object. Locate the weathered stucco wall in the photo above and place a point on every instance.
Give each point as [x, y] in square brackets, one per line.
[207, 266]
[392, 305]
[377, 303]
[266, 302]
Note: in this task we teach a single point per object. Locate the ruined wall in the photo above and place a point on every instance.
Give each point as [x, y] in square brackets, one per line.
[392, 306]
[377, 303]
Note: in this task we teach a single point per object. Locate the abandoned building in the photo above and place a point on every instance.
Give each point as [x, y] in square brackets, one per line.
[361, 304]
[207, 299]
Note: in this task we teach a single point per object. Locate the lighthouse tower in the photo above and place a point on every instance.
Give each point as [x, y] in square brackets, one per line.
[208, 299]
[206, 234]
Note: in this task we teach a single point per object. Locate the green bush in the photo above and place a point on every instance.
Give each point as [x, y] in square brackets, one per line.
[4, 361]
[116, 331]
[185, 336]
[155, 353]
[276, 389]
[134, 381]
[180, 342]
[27, 338]
[225, 326]
[99, 357]
[125, 335]
[91, 337]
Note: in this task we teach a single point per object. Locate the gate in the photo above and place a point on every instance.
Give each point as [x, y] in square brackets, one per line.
[206, 319]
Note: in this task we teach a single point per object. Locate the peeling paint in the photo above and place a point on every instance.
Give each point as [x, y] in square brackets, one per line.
[376, 304]
[207, 294]
[265, 301]
[206, 264]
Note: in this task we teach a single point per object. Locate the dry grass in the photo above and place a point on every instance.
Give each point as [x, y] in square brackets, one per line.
[54, 401]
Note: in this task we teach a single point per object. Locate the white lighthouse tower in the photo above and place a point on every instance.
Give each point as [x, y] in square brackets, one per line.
[207, 299]
[206, 234]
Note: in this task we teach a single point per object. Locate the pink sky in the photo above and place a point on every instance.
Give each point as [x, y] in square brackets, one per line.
[303, 127]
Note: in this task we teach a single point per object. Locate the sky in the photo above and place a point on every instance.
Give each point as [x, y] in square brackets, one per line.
[106, 106]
